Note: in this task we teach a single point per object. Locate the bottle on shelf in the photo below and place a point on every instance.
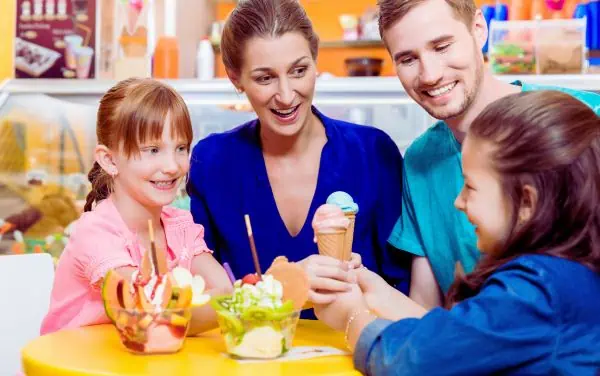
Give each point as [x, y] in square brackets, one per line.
[519, 10]
[205, 60]
[165, 63]
[166, 58]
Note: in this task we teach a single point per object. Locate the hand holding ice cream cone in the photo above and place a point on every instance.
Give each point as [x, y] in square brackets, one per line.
[327, 276]
[333, 230]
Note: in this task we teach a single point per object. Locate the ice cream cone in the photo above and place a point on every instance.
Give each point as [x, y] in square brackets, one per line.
[134, 45]
[349, 208]
[349, 236]
[134, 50]
[133, 16]
[332, 243]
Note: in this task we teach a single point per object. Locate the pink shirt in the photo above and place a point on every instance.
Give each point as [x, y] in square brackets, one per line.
[101, 241]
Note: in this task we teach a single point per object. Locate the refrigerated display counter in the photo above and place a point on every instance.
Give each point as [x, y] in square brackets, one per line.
[47, 138]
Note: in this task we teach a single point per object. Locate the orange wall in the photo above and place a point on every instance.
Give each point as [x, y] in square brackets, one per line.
[324, 16]
[324, 13]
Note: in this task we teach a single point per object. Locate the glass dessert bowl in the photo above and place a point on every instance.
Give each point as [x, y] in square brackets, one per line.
[258, 320]
[152, 313]
[257, 333]
[153, 332]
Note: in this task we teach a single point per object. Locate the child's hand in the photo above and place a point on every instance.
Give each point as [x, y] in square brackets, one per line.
[376, 291]
[326, 276]
[337, 313]
[384, 300]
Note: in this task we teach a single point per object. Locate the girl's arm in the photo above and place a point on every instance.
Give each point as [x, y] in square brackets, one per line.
[384, 300]
[510, 325]
[424, 288]
[217, 283]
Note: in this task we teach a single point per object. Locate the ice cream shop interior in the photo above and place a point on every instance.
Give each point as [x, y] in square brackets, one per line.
[58, 58]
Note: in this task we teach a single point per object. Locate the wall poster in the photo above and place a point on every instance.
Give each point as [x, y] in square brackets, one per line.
[55, 39]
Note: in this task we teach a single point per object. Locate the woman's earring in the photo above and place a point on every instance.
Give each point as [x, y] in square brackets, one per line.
[113, 172]
[522, 219]
[239, 90]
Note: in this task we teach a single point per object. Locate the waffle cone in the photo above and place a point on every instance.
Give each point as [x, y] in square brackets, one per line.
[134, 50]
[332, 243]
[349, 236]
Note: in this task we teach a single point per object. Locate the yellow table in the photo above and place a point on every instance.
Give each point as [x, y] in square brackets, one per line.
[97, 350]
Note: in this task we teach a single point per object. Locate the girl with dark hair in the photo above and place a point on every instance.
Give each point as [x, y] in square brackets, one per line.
[531, 163]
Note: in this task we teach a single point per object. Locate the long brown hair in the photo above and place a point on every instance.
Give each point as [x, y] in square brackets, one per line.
[550, 141]
[263, 19]
[131, 112]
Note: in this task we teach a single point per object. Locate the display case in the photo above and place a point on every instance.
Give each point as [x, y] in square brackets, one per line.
[47, 138]
[538, 47]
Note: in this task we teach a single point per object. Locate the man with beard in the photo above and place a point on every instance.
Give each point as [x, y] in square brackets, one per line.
[436, 46]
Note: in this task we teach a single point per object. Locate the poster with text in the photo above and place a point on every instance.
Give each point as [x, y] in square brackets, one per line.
[55, 39]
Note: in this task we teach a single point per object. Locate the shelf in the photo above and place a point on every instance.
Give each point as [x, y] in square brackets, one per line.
[337, 44]
[351, 44]
[220, 92]
[335, 84]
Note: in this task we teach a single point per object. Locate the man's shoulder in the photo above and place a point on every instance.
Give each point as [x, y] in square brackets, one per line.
[590, 98]
[436, 144]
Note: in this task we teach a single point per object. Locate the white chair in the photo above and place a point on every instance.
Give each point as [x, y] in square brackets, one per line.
[25, 286]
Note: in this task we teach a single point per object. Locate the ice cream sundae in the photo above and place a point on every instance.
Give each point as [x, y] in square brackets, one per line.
[258, 320]
[152, 310]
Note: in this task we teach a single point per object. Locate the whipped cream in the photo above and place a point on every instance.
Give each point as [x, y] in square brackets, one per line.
[267, 293]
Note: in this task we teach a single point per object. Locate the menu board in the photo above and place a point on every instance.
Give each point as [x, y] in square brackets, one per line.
[55, 39]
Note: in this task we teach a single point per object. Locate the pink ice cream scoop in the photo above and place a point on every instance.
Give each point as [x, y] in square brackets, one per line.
[329, 218]
[137, 4]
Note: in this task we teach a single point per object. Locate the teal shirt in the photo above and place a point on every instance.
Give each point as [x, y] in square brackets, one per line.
[430, 225]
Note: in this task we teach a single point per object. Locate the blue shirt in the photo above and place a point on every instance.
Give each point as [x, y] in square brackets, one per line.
[228, 179]
[430, 225]
[536, 315]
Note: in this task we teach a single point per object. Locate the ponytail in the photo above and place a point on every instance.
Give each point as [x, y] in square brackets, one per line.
[101, 186]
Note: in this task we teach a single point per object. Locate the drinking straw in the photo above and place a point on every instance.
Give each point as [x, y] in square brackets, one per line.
[252, 245]
[229, 272]
[153, 247]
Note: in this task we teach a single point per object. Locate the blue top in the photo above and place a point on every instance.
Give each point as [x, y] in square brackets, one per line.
[228, 178]
[430, 225]
[536, 315]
